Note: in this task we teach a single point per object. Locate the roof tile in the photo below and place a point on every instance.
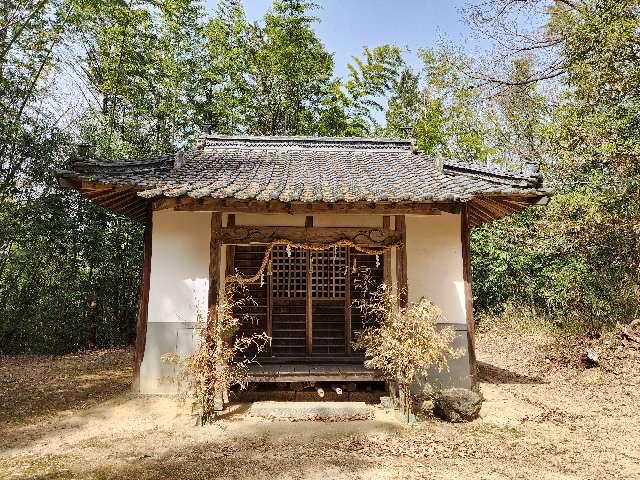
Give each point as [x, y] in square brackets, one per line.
[309, 170]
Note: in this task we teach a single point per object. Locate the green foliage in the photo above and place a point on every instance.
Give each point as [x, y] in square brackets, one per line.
[599, 45]
[370, 79]
[577, 260]
[404, 106]
[223, 95]
[442, 107]
[150, 73]
[145, 74]
[69, 273]
[140, 62]
[451, 124]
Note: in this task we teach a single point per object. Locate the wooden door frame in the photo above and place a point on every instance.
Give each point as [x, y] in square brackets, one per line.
[232, 236]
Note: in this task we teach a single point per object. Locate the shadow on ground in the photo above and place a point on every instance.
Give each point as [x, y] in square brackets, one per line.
[257, 459]
[492, 374]
[34, 389]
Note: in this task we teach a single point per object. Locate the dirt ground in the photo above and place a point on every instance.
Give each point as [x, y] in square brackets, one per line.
[73, 417]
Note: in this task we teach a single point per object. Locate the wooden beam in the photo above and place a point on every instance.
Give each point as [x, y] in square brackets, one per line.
[214, 262]
[138, 213]
[103, 195]
[500, 207]
[254, 206]
[480, 211]
[145, 282]
[122, 203]
[243, 235]
[474, 218]
[468, 294]
[401, 261]
[303, 377]
[90, 184]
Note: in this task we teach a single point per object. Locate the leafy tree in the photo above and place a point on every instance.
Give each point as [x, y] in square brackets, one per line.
[140, 64]
[405, 105]
[370, 79]
[224, 94]
[67, 269]
[580, 255]
[289, 70]
[447, 112]
[145, 74]
[519, 117]
[451, 124]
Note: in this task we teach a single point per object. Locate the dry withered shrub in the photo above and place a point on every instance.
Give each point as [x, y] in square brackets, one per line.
[403, 342]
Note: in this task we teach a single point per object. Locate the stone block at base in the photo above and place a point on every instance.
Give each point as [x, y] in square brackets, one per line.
[330, 411]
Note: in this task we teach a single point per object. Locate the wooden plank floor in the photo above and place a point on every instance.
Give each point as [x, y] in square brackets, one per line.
[312, 373]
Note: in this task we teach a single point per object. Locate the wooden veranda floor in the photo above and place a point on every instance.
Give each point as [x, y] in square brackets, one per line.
[312, 373]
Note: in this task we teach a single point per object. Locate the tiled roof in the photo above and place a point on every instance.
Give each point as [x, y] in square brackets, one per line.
[301, 169]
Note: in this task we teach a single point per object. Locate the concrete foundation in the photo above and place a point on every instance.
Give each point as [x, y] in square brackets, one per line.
[156, 376]
[180, 338]
[458, 371]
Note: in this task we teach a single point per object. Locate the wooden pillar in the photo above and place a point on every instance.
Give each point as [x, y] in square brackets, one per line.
[309, 304]
[386, 258]
[231, 249]
[143, 307]
[468, 294]
[214, 289]
[214, 262]
[401, 262]
[347, 301]
[269, 301]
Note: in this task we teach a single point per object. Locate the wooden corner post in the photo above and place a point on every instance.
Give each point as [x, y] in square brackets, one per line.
[145, 282]
[214, 262]
[215, 256]
[465, 232]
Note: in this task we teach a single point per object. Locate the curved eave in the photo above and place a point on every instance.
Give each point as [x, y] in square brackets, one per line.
[487, 208]
[123, 200]
[126, 200]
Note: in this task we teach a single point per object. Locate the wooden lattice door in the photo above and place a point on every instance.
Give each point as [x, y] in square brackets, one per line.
[305, 305]
[289, 302]
[329, 277]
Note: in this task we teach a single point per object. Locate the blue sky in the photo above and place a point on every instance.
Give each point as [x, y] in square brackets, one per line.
[348, 25]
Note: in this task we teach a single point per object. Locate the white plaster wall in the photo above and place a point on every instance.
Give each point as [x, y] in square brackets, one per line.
[434, 263]
[179, 266]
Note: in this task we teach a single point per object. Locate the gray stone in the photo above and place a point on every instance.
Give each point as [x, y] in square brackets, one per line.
[426, 407]
[333, 411]
[387, 402]
[590, 358]
[457, 404]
